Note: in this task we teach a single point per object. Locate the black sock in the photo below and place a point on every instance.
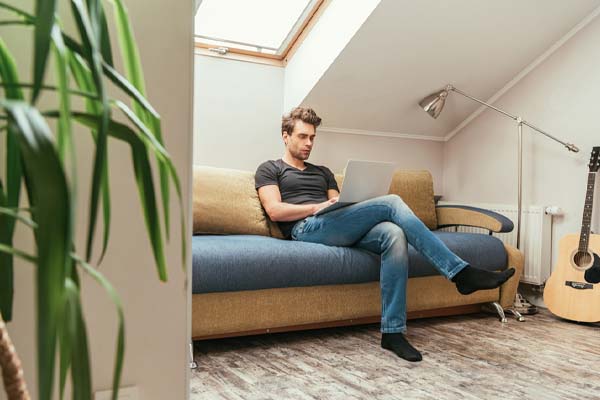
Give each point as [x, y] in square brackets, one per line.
[399, 345]
[471, 279]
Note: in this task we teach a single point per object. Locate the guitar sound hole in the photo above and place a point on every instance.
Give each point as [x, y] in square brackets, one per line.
[581, 259]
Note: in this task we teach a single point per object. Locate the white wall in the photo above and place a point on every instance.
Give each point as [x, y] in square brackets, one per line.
[157, 326]
[560, 96]
[237, 112]
[328, 37]
[237, 124]
[334, 150]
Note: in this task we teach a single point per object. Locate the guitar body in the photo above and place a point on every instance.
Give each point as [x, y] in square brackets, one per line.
[573, 292]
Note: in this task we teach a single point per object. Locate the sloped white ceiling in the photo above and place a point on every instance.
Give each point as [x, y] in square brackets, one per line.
[407, 49]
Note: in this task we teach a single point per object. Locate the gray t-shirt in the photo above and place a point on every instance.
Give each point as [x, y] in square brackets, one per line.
[308, 186]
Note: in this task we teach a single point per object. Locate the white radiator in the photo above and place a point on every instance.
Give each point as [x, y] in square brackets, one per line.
[536, 237]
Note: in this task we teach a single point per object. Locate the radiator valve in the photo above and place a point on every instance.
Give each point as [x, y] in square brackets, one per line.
[554, 210]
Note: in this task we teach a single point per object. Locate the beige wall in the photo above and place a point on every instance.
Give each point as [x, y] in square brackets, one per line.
[157, 327]
[560, 96]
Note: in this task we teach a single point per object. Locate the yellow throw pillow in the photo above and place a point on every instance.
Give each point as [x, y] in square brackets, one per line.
[225, 202]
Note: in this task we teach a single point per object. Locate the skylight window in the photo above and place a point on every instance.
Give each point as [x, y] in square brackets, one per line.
[262, 27]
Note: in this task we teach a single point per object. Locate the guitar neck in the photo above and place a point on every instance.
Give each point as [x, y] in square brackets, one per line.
[587, 213]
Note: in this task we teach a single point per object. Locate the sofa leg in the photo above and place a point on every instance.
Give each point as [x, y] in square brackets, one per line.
[193, 363]
[500, 311]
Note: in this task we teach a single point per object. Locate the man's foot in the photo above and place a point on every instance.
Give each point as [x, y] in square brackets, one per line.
[471, 279]
[399, 345]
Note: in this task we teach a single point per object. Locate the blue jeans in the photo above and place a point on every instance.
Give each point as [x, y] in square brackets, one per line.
[383, 225]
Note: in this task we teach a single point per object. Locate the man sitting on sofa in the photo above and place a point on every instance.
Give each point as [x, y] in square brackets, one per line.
[292, 191]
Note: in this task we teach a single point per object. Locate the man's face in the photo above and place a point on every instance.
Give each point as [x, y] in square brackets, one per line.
[300, 142]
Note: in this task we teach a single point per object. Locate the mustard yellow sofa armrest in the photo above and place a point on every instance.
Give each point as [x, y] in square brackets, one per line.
[456, 215]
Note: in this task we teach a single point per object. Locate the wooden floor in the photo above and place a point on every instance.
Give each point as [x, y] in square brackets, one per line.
[465, 357]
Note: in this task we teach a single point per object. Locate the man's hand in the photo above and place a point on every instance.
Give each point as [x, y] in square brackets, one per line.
[320, 206]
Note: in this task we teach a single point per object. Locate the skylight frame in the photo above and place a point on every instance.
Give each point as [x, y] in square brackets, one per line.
[224, 46]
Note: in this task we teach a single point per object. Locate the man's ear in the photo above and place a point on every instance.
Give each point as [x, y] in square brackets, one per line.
[284, 136]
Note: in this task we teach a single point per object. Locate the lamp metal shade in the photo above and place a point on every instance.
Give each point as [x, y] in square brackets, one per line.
[434, 103]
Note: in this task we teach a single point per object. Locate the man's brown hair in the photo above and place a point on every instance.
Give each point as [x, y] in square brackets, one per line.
[304, 114]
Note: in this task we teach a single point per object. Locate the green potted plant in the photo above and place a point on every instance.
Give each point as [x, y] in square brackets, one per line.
[39, 188]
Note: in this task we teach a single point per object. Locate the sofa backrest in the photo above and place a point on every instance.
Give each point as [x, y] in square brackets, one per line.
[225, 201]
[416, 189]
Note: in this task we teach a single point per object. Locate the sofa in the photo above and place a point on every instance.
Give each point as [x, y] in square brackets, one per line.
[247, 280]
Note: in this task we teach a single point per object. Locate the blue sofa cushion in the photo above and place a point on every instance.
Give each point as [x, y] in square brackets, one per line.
[249, 262]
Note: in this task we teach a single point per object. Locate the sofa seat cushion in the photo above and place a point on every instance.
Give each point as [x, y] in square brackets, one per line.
[250, 262]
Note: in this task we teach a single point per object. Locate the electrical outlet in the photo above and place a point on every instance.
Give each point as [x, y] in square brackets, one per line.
[128, 393]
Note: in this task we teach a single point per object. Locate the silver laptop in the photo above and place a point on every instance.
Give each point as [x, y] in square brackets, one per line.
[363, 180]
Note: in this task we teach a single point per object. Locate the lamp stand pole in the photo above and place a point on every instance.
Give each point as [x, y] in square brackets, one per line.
[433, 105]
[520, 123]
[520, 189]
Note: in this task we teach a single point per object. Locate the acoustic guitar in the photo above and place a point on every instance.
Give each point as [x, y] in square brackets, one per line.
[573, 290]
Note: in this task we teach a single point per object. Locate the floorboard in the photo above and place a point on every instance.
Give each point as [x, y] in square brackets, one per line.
[464, 357]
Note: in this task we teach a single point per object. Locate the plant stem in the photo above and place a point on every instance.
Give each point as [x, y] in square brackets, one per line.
[12, 372]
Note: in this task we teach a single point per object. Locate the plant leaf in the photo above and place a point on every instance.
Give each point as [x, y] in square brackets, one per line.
[14, 176]
[80, 360]
[14, 22]
[65, 344]
[130, 90]
[134, 72]
[15, 215]
[84, 80]
[115, 77]
[50, 198]
[44, 11]
[49, 87]
[143, 175]
[92, 56]
[165, 164]
[120, 351]
[158, 147]
[65, 139]
[22, 13]
[145, 184]
[129, 50]
[14, 252]
[100, 26]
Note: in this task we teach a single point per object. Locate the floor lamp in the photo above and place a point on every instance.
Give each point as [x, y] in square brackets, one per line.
[433, 105]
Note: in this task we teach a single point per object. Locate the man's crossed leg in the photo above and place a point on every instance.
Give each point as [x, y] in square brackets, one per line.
[385, 225]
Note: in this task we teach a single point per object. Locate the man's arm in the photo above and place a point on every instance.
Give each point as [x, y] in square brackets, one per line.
[332, 193]
[270, 197]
